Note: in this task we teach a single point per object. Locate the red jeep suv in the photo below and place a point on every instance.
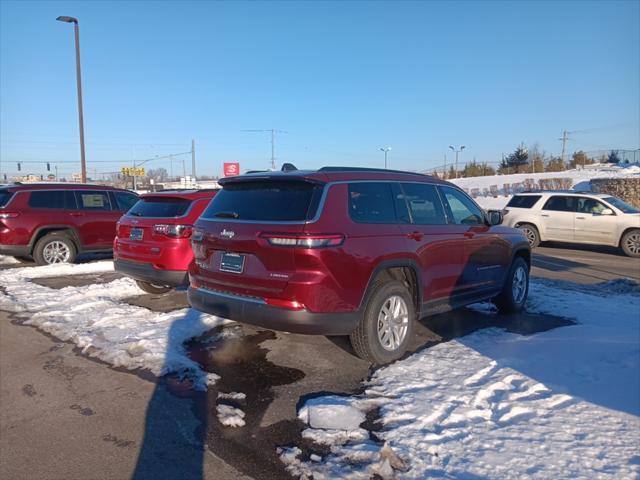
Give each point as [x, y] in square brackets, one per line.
[153, 242]
[347, 251]
[54, 222]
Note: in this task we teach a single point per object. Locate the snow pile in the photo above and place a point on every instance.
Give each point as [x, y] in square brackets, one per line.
[4, 260]
[94, 318]
[579, 179]
[559, 404]
[230, 416]
[331, 413]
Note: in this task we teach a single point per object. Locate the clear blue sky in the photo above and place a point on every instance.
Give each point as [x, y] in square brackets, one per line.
[342, 78]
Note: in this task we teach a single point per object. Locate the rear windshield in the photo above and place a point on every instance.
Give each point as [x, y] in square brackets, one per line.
[5, 197]
[523, 201]
[160, 207]
[265, 202]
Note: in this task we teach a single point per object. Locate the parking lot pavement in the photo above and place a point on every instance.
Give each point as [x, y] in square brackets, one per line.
[583, 264]
[66, 416]
[78, 416]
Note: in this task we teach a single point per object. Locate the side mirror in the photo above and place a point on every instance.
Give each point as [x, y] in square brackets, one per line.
[607, 211]
[494, 217]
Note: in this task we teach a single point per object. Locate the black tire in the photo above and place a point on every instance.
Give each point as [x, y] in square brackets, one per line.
[152, 288]
[531, 232]
[55, 247]
[24, 259]
[630, 243]
[506, 301]
[365, 339]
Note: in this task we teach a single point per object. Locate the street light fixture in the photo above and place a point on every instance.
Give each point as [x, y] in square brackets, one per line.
[457, 151]
[76, 29]
[386, 151]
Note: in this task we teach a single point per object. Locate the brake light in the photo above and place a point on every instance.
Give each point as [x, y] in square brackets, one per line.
[4, 215]
[173, 231]
[303, 241]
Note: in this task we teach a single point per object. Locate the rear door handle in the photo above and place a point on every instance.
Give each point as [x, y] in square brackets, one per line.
[469, 234]
[415, 235]
[76, 214]
[579, 218]
[544, 215]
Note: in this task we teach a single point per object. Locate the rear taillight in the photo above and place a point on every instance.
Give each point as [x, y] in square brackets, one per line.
[173, 231]
[4, 215]
[303, 241]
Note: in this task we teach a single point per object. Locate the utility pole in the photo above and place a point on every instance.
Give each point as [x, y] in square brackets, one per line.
[444, 173]
[386, 151]
[193, 159]
[564, 144]
[273, 142]
[457, 150]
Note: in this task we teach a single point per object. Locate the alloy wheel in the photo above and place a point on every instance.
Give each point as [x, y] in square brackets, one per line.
[632, 243]
[393, 323]
[519, 285]
[56, 252]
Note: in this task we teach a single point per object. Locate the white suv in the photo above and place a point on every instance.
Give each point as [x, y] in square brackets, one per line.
[592, 218]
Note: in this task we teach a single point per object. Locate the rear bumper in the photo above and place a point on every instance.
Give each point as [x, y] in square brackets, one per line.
[146, 273]
[15, 250]
[255, 311]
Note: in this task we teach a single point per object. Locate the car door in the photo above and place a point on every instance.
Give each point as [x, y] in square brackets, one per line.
[96, 218]
[486, 253]
[438, 244]
[557, 218]
[591, 225]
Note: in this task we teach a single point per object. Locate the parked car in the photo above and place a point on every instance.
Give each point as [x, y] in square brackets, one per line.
[153, 241]
[576, 217]
[345, 251]
[55, 222]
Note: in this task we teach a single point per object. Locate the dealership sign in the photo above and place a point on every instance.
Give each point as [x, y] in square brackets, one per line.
[231, 169]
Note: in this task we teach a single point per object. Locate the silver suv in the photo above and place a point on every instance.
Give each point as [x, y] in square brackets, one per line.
[591, 218]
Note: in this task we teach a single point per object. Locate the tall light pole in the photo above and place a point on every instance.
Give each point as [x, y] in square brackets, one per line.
[79, 83]
[457, 151]
[386, 151]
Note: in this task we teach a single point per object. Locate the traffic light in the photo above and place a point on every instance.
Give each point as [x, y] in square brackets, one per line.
[19, 166]
[48, 167]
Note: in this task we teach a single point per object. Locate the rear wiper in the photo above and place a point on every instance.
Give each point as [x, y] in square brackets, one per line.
[227, 215]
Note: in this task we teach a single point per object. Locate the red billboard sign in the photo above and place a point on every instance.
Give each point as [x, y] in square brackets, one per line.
[231, 169]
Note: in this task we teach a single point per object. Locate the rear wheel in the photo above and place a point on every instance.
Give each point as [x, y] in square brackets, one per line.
[383, 333]
[532, 234]
[516, 288]
[630, 243]
[55, 247]
[152, 287]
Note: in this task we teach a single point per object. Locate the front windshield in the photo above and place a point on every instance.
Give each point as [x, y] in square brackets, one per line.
[620, 205]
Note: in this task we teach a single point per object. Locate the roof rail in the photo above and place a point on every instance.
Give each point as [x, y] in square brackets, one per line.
[366, 169]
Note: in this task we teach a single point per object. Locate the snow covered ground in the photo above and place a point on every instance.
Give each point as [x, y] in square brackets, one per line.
[579, 181]
[560, 404]
[95, 318]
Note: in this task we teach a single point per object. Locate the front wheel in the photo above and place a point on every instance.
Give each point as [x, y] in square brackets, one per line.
[383, 333]
[152, 287]
[630, 243]
[516, 288]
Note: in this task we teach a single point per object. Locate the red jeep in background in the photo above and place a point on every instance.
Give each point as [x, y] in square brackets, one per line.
[55, 222]
[348, 251]
[152, 245]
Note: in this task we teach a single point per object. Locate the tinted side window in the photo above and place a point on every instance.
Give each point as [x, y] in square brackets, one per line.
[561, 204]
[424, 204]
[461, 208]
[47, 199]
[523, 201]
[93, 200]
[125, 200]
[371, 203]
